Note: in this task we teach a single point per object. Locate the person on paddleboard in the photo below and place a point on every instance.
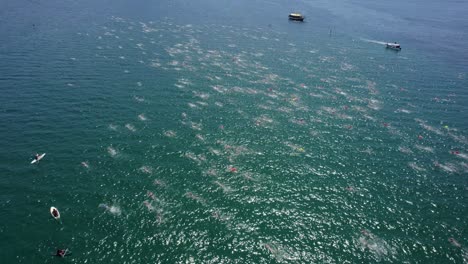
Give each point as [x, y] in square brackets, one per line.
[36, 157]
[55, 213]
[61, 252]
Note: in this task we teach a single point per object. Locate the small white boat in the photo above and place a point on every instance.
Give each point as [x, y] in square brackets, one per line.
[394, 46]
[55, 213]
[296, 17]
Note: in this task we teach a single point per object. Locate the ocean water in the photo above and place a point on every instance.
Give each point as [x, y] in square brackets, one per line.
[220, 132]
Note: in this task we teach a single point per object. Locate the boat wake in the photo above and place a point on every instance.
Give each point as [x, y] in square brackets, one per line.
[374, 41]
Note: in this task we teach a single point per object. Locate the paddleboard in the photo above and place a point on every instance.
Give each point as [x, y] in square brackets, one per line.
[38, 158]
[58, 213]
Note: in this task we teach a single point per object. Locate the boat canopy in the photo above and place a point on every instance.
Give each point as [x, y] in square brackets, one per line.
[295, 14]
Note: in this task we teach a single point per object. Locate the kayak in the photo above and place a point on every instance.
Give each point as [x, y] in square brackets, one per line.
[52, 213]
[38, 158]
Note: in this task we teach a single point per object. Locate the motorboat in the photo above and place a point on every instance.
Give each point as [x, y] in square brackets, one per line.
[296, 17]
[394, 46]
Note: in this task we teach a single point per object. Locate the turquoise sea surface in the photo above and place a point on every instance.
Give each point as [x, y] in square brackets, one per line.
[218, 131]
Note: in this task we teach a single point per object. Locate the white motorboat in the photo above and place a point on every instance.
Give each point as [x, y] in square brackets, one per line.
[296, 17]
[394, 46]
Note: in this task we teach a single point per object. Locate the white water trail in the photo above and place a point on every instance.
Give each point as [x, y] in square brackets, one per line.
[374, 41]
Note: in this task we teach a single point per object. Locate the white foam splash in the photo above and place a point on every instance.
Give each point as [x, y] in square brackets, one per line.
[416, 167]
[170, 133]
[130, 127]
[424, 148]
[146, 169]
[112, 151]
[113, 209]
[142, 117]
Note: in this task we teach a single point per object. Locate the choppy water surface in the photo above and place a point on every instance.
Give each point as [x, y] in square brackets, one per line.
[171, 142]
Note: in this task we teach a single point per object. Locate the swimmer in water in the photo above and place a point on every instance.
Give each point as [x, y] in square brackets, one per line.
[366, 233]
[151, 195]
[159, 183]
[454, 242]
[272, 251]
[104, 206]
[148, 206]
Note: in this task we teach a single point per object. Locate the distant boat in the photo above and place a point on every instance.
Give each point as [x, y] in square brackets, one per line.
[393, 46]
[296, 17]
